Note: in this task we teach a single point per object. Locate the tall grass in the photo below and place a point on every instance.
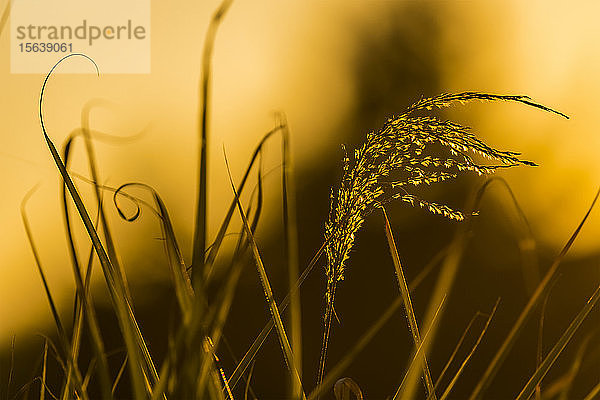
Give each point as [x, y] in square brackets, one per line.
[413, 149]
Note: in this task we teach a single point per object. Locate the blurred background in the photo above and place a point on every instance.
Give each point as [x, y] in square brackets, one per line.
[337, 69]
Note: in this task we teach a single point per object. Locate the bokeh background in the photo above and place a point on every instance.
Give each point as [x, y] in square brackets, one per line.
[337, 69]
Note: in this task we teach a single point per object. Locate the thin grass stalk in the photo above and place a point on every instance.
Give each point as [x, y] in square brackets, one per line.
[283, 339]
[212, 254]
[414, 364]
[466, 361]
[124, 314]
[527, 312]
[441, 290]
[83, 297]
[11, 366]
[72, 362]
[593, 393]
[217, 315]
[456, 349]
[87, 134]
[564, 395]
[366, 338]
[108, 240]
[264, 333]
[527, 243]
[222, 374]
[199, 244]
[119, 374]
[560, 345]
[290, 239]
[540, 339]
[247, 388]
[54, 352]
[185, 354]
[43, 379]
[410, 313]
[24, 390]
[340, 367]
[39, 364]
[329, 312]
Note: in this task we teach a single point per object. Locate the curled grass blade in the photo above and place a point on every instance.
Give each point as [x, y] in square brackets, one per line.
[127, 323]
[410, 313]
[179, 275]
[109, 243]
[560, 345]
[527, 312]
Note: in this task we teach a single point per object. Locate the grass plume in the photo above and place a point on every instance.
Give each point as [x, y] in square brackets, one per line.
[404, 153]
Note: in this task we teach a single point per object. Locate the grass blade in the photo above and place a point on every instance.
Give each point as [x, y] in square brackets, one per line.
[290, 239]
[72, 362]
[83, 301]
[89, 146]
[560, 345]
[262, 336]
[456, 349]
[527, 312]
[199, 244]
[43, 379]
[574, 367]
[217, 315]
[410, 313]
[287, 351]
[337, 371]
[119, 374]
[11, 368]
[540, 348]
[414, 364]
[593, 393]
[180, 278]
[232, 207]
[127, 323]
[466, 361]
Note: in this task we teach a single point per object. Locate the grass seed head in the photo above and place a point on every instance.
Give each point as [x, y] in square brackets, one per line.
[401, 155]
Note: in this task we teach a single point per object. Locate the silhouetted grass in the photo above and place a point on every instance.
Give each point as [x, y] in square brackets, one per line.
[410, 150]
